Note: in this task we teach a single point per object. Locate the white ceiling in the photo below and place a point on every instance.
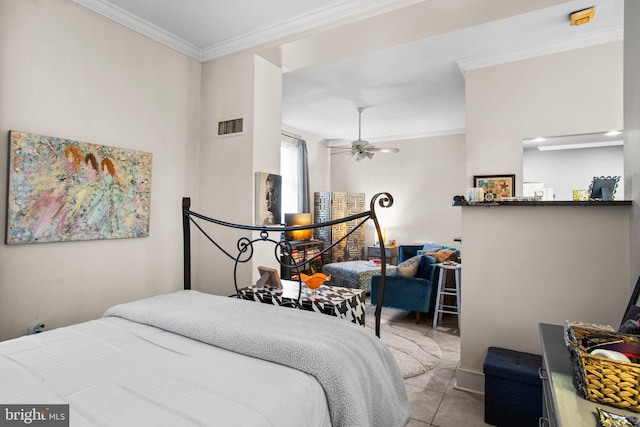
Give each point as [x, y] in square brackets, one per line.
[413, 89]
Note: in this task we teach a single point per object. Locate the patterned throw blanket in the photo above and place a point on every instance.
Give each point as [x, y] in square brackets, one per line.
[360, 377]
[353, 274]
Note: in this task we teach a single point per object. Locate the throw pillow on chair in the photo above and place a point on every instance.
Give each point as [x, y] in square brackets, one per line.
[412, 293]
[408, 268]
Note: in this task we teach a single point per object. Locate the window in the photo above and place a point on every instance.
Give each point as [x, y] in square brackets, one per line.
[289, 172]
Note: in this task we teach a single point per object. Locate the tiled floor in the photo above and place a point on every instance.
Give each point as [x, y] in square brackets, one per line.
[433, 399]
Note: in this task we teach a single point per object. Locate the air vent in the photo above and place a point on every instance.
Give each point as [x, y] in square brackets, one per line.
[230, 126]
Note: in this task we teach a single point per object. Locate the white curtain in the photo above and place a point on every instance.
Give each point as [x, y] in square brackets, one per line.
[295, 175]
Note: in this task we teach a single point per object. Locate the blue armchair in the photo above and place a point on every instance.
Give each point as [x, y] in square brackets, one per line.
[409, 293]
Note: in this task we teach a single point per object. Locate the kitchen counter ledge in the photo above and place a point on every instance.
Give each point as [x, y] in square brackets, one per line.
[547, 203]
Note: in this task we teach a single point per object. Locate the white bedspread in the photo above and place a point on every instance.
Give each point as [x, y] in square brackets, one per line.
[361, 379]
[114, 372]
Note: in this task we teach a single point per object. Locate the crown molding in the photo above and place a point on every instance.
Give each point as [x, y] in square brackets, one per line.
[415, 135]
[532, 51]
[341, 143]
[297, 133]
[141, 26]
[292, 26]
[300, 23]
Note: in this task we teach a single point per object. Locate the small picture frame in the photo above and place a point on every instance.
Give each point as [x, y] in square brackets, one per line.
[269, 278]
[498, 186]
[603, 187]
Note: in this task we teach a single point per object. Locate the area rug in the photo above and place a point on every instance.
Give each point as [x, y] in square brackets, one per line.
[415, 353]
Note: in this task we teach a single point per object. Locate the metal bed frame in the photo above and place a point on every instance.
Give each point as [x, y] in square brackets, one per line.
[282, 247]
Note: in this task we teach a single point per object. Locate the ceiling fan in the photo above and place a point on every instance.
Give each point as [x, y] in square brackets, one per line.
[363, 149]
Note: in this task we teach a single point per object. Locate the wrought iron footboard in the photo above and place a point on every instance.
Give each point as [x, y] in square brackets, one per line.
[282, 248]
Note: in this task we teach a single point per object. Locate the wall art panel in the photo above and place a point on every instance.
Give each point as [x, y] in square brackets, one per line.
[338, 231]
[63, 190]
[268, 200]
[355, 241]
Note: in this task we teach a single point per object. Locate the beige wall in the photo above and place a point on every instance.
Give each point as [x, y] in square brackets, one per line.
[319, 167]
[526, 265]
[422, 178]
[238, 85]
[67, 72]
[528, 276]
[573, 92]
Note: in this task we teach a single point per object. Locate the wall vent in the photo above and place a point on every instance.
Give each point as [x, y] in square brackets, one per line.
[230, 126]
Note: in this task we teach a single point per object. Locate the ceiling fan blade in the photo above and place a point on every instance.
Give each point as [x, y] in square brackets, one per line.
[383, 150]
[341, 152]
[336, 143]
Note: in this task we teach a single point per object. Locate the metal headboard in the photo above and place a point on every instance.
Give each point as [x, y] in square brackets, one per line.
[244, 245]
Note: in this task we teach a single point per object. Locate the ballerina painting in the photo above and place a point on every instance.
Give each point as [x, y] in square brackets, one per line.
[63, 190]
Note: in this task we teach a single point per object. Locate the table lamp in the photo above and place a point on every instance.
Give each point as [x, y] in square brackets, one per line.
[298, 219]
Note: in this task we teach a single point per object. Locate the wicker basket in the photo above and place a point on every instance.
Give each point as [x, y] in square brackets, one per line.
[599, 379]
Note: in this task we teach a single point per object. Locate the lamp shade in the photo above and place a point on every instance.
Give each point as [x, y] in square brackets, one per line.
[297, 219]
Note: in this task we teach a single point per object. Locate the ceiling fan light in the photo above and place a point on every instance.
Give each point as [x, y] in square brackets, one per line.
[359, 143]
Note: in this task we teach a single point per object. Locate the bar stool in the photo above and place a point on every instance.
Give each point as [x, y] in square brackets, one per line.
[441, 307]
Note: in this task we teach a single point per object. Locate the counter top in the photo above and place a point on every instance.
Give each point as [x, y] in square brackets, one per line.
[548, 203]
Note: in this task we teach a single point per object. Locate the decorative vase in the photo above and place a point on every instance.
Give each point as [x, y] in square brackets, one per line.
[313, 282]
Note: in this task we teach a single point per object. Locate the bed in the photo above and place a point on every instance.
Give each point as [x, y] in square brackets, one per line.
[194, 359]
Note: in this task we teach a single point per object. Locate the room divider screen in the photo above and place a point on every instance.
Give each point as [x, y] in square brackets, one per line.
[330, 206]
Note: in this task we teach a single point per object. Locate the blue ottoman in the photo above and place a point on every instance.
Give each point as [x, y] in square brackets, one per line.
[512, 388]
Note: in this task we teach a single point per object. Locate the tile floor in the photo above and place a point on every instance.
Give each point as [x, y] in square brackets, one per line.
[433, 400]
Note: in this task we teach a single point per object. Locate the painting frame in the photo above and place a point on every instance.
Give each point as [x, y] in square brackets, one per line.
[496, 186]
[62, 190]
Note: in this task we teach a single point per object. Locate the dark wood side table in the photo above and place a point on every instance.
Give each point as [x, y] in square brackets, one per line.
[391, 252]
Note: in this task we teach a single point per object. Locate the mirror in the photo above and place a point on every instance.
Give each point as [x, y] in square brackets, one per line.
[553, 167]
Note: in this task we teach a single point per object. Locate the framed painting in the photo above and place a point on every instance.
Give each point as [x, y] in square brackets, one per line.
[268, 200]
[496, 186]
[63, 190]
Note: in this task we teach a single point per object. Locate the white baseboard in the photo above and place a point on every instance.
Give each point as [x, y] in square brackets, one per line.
[469, 380]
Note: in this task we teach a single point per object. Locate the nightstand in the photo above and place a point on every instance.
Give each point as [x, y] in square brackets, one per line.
[391, 252]
[335, 301]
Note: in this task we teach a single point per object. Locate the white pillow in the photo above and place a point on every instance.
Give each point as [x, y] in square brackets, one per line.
[408, 268]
